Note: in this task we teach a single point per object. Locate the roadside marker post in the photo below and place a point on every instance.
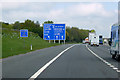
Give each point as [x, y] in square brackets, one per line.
[59, 41]
[31, 46]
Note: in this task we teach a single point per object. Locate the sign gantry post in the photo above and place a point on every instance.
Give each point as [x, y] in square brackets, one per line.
[59, 39]
[49, 38]
[64, 41]
[54, 41]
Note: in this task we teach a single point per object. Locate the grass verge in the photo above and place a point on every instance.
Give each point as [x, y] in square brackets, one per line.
[13, 44]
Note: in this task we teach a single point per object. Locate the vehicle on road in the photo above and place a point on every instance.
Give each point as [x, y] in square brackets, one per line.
[90, 36]
[83, 42]
[100, 39]
[86, 41]
[106, 41]
[93, 39]
[114, 42]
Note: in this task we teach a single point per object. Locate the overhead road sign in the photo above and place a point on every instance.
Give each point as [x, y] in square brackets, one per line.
[54, 32]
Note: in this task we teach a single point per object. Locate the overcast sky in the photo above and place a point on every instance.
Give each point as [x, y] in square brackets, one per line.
[84, 15]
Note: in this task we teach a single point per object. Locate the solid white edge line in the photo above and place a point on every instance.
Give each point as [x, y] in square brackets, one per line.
[35, 75]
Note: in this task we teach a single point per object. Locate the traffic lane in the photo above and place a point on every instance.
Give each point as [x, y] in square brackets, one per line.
[78, 62]
[105, 46]
[25, 65]
[103, 52]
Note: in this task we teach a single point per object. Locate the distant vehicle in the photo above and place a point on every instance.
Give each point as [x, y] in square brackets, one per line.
[114, 42]
[90, 37]
[106, 40]
[93, 39]
[100, 39]
[86, 40]
[83, 41]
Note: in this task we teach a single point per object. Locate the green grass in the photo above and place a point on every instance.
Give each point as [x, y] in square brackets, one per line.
[12, 44]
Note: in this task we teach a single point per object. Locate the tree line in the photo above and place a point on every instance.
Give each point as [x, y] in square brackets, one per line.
[73, 34]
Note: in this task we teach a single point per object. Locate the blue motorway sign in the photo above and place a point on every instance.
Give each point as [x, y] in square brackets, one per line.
[23, 33]
[54, 32]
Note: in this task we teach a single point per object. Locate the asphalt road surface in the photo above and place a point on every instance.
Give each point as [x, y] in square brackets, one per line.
[65, 61]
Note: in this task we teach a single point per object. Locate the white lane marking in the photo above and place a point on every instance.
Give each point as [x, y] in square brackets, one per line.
[118, 70]
[110, 65]
[47, 64]
[115, 68]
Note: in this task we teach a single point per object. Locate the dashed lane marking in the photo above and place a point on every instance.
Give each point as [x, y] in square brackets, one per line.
[109, 64]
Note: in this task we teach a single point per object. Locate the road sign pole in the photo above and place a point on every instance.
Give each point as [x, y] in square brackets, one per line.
[24, 33]
[49, 41]
[24, 42]
[64, 41]
[54, 41]
[59, 41]
[49, 38]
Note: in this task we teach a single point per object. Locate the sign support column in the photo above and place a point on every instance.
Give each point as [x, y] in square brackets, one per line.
[54, 41]
[64, 41]
[49, 38]
[24, 42]
[59, 39]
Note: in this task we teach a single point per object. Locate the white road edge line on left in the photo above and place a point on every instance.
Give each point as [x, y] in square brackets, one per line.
[35, 75]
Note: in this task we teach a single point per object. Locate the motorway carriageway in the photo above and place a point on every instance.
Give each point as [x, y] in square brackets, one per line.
[64, 61]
